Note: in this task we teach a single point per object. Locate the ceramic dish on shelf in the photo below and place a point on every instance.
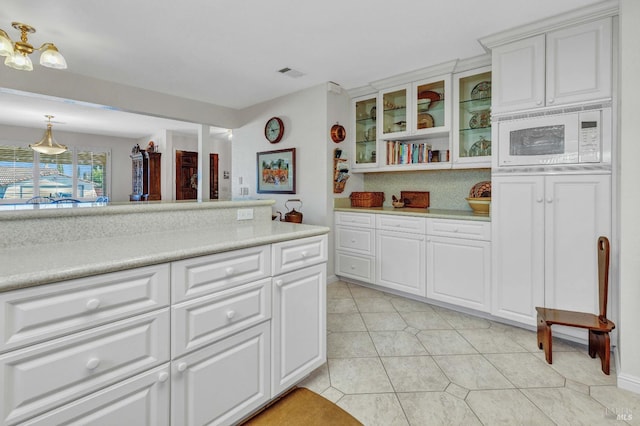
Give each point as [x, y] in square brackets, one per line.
[425, 121]
[481, 148]
[480, 206]
[433, 97]
[480, 119]
[481, 90]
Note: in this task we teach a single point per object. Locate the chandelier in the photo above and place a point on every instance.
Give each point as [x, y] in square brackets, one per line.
[18, 52]
[48, 144]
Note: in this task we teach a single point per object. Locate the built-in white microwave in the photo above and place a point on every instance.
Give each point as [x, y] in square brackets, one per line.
[556, 138]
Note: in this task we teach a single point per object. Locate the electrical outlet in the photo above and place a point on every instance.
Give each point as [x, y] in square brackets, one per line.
[244, 191]
[245, 214]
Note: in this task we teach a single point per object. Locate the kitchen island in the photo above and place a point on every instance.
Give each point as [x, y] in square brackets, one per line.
[145, 313]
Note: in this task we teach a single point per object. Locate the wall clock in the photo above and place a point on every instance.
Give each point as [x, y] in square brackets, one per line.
[338, 133]
[274, 130]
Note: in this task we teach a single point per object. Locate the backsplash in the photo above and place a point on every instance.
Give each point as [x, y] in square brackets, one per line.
[448, 188]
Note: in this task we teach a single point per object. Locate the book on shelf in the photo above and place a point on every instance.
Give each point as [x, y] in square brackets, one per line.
[408, 152]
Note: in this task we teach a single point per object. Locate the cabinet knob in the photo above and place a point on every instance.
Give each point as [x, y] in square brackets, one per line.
[163, 377]
[182, 366]
[231, 314]
[93, 304]
[539, 200]
[549, 200]
[279, 283]
[229, 271]
[538, 102]
[550, 100]
[353, 267]
[304, 253]
[93, 363]
[455, 229]
[353, 240]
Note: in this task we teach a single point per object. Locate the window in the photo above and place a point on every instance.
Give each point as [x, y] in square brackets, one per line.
[80, 173]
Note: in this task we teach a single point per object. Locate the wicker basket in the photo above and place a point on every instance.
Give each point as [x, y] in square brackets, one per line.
[367, 199]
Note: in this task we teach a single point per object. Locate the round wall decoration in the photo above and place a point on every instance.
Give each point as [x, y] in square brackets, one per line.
[274, 129]
[338, 133]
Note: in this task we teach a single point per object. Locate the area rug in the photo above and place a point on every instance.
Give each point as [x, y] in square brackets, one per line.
[302, 407]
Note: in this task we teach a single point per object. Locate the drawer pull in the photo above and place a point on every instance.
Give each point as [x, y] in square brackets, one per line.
[163, 377]
[93, 304]
[353, 267]
[455, 229]
[231, 314]
[229, 271]
[304, 253]
[279, 283]
[182, 366]
[353, 240]
[93, 363]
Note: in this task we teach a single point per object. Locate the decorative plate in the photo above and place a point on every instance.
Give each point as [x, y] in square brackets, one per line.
[481, 190]
[434, 97]
[425, 121]
[481, 90]
[480, 119]
[481, 148]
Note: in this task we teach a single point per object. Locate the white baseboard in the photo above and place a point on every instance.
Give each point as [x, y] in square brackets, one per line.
[630, 383]
[332, 279]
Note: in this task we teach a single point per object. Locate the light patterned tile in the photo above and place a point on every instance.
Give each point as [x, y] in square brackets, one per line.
[472, 372]
[383, 321]
[567, 407]
[457, 391]
[414, 374]
[459, 320]
[619, 403]
[338, 290]
[436, 409]
[332, 394]
[525, 370]
[403, 304]
[379, 409]
[374, 304]
[427, 320]
[491, 341]
[579, 367]
[508, 406]
[445, 342]
[359, 375]
[350, 344]
[359, 292]
[345, 322]
[341, 306]
[397, 343]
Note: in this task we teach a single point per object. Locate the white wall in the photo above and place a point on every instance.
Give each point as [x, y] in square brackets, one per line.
[120, 151]
[629, 225]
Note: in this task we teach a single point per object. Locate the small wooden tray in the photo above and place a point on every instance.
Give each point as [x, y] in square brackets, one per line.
[415, 199]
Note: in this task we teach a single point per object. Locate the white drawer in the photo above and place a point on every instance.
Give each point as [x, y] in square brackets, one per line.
[141, 400]
[401, 223]
[470, 229]
[363, 220]
[44, 376]
[295, 254]
[207, 274]
[356, 240]
[44, 312]
[209, 318]
[357, 267]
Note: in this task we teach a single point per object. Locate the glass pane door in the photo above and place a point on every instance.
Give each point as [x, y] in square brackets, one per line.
[475, 116]
[394, 104]
[366, 131]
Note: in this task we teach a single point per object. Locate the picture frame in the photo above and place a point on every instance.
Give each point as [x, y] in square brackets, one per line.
[276, 171]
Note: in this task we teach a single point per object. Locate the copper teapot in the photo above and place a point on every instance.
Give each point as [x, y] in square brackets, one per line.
[292, 215]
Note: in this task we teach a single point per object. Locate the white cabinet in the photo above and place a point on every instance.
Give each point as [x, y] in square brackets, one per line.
[355, 246]
[222, 382]
[459, 263]
[400, 253]
[565, 66]
[298, 325]
[544, 242]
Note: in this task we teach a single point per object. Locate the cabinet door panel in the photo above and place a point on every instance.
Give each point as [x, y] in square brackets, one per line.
[578, 212]
[579, 63]
[518, 247]
[141, 400]
[401, 261]
[355, 240]
[298, 325]
[459, 272]
[221, 383]
[518, 75]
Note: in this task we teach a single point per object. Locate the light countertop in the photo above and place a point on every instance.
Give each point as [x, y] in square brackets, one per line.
[405, 211]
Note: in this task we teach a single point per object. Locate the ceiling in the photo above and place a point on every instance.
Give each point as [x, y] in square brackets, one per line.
[228, 52]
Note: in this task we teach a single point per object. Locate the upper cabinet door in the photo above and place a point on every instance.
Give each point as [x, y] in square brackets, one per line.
[395, 105]
[579, 63]
[518, 75]
[431, 112]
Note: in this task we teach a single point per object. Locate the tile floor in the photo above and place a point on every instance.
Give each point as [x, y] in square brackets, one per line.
[396, 361]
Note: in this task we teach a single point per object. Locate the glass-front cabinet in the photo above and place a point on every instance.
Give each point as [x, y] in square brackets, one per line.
[472, 119]
[394, 104]
[432, 106]
[366, 133]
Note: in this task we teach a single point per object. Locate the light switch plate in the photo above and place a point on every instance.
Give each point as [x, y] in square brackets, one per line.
[245, 214]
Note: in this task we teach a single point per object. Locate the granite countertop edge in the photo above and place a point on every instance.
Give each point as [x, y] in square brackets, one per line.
[429, 213]
[50, 263]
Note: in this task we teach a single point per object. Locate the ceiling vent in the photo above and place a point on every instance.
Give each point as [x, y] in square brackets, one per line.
[290, 72]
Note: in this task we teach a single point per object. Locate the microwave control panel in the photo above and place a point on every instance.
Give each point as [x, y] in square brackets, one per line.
[590, 136]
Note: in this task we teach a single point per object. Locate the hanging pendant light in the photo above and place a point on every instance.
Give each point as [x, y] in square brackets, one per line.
[48, 144]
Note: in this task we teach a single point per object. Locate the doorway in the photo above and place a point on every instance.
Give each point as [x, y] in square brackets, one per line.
[186, 175]
[213, 176]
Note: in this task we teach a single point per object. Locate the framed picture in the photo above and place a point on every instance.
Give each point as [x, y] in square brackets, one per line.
[277, 171]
